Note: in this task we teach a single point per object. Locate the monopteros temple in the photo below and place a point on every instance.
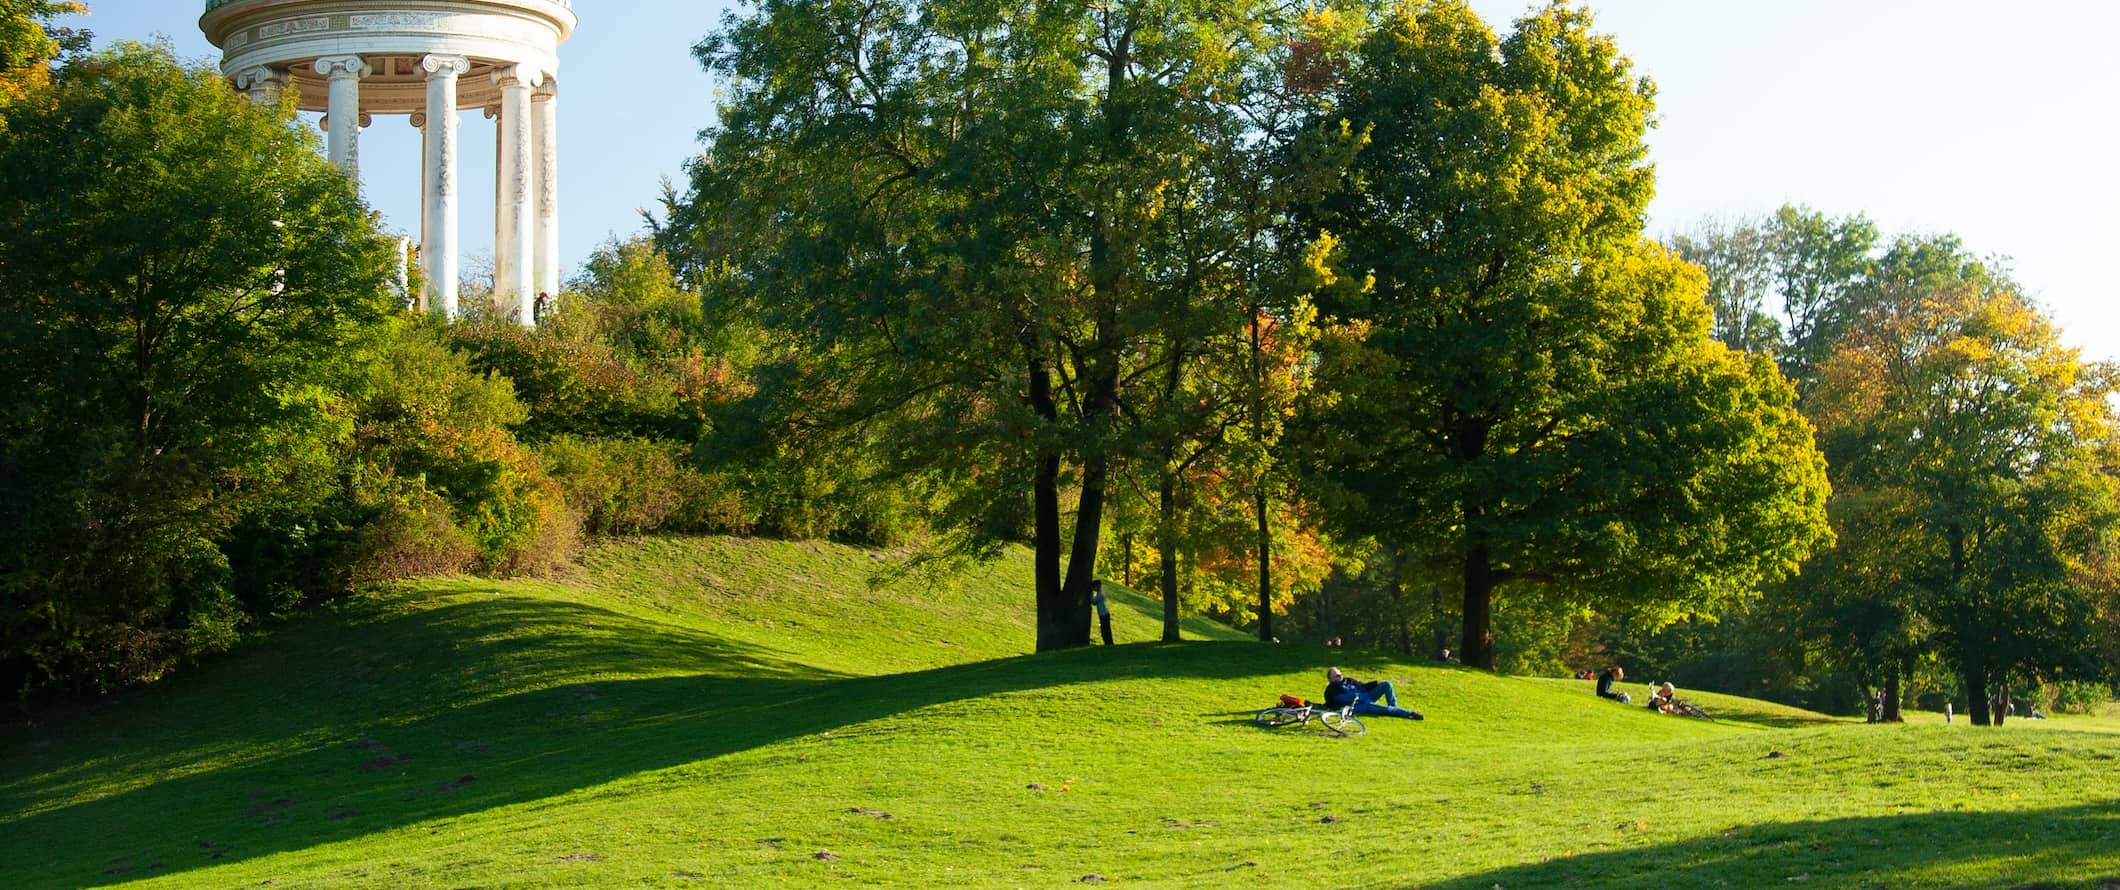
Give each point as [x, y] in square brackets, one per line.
[429, 60]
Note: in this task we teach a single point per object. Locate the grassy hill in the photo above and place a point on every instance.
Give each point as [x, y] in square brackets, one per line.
[722, 713]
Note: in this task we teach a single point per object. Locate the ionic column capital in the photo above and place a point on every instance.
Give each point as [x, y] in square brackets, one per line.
[336, 67]
[419, 120]
[260, 77]
[364, 120]
[518, 75]
[547, 91]
[438, 65]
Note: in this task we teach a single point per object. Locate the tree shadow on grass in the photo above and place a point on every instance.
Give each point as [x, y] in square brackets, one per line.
[2066, 847]
[367, 661]
[442, 742]
[1767, 720]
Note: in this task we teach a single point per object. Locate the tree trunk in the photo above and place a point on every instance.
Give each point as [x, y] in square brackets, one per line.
[1401, 621]
[1053, 616]
[1976, 691]
[1265, 566]
[1126, 560]
[1258, 426]
[1052, 606]
[1975, 673]
[1110, 258]
[2001, 709]
[1325, 622]
[1891, 698]
[1082, 562]
[1167, 547]
[1167, 504]
[1468, 442]
[1435, 617]
[1477, 642]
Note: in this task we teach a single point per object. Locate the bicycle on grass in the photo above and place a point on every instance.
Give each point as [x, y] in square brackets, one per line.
[1293, 711]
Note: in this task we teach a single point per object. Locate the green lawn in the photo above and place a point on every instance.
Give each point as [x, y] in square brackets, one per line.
[721, 713]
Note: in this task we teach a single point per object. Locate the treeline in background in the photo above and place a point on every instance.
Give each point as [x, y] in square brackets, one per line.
[1341, 326]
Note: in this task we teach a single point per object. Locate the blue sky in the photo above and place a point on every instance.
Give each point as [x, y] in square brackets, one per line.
[1993, 121]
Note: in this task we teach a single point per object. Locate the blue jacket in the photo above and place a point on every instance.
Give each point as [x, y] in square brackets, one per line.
[1343, 691]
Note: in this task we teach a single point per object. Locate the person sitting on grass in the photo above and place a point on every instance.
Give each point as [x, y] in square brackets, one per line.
[1341, 691]
[1605, 680]
[1664, 700]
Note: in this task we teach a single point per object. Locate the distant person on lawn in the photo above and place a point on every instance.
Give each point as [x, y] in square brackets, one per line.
[1104, 612]
[1664, 700]
[1341, 690]
[1605, 680]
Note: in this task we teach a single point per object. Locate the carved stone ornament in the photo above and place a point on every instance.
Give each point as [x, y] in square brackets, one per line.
[342, 66]
[518, 74]
[260, 77]
[445, 66]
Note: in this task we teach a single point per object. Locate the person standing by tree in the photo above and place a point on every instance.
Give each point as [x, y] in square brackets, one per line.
[1104, 612]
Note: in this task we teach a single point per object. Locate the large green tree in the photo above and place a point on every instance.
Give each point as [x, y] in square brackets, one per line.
[1792, 285]
[1530, 388]
[1979, 446]
[184, 284]
[960, 214]
[1787, 285]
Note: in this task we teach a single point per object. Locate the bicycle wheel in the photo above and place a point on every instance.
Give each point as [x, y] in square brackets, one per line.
[1343, 723]
[1692, 710]
[1280, 716]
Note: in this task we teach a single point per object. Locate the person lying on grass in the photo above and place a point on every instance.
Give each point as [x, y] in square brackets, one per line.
[1605, 680]
[1342, 690]
[1664, 700]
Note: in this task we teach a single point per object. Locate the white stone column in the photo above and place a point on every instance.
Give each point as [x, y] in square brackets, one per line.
[544, 122]
[439, 242]
[418, 120]
[514, 284]
[500, 150]
[262, 83]
[343, 113]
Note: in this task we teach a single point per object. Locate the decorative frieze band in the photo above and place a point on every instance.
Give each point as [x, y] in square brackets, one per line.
[294, 26]
[395, 21]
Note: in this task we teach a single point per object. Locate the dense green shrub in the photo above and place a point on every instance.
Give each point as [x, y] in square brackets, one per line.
[178, 319]
[2074, 696]
[617, 486]
[636, 486]
[409, 533]
[570, 381]
[441, 431]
